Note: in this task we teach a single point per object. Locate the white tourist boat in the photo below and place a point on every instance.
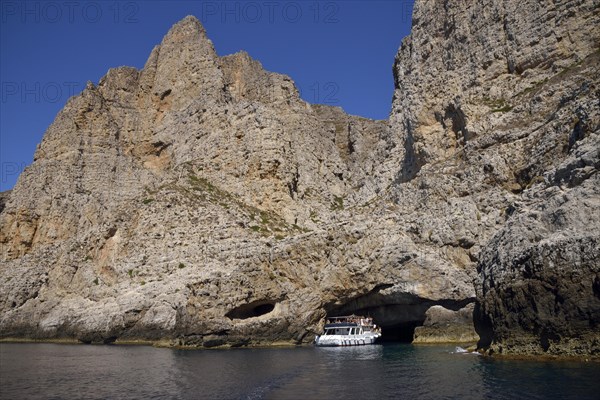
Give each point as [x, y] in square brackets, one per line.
[348, 331]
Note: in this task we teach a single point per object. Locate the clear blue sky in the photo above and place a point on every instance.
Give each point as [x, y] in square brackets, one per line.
[337, 52]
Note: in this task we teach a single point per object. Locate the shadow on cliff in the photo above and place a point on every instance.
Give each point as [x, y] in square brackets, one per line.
[483, 327]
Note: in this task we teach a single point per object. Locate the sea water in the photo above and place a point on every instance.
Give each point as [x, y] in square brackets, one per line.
[389, 371]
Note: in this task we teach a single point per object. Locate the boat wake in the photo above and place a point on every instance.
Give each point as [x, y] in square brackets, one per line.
[461, 350]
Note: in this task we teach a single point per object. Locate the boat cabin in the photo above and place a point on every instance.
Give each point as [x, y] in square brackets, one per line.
[343, 329]
[348, 331]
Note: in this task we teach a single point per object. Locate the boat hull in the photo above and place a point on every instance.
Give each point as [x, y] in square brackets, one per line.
[345, 340]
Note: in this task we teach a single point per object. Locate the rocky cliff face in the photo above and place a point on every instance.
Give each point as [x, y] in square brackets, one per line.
[201, 201]
[497, 108]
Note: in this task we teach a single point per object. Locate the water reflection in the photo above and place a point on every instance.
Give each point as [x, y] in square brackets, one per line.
[67, 371]
[38, 371]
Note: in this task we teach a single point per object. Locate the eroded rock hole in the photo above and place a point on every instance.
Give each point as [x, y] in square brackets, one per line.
[403, 332]
[165, 94]
[251, 310]
[390, 331]
[459, 123]
[397, 314]
[397, 322]
[109, 340]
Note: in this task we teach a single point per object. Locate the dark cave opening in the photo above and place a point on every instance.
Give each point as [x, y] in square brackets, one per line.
[398, 315]
[398, 332]
[251, 310]
[402, 333]
[397, 322]
[263, 309]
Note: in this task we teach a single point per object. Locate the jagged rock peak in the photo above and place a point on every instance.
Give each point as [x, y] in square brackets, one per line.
[189, 28]
[184, 64]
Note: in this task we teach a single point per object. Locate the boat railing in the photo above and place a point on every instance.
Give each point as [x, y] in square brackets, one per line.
[362, 321]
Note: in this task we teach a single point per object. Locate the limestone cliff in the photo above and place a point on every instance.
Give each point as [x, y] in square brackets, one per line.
[496, 109]
[201, 201]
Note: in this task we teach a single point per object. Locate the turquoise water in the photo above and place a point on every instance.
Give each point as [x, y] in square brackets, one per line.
[390, 371]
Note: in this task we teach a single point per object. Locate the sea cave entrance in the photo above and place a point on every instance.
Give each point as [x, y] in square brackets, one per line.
[398, 314]
[403, 333]
[397, 321]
